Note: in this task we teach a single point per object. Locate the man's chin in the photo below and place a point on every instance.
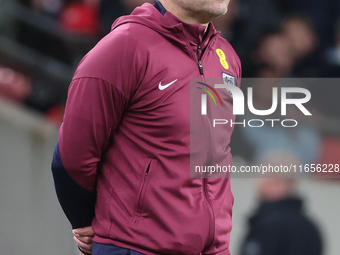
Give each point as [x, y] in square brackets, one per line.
[220, 11]
[225, 12]
[218, 14]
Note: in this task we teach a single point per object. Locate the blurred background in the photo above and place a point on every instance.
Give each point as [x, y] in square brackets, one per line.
[41, 44]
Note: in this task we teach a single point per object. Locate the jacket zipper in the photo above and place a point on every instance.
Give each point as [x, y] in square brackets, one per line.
[204, 181]
[141, 195]
[211, 216]
[200, 66]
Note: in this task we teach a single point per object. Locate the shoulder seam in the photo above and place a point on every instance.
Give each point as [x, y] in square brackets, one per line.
[89, 77]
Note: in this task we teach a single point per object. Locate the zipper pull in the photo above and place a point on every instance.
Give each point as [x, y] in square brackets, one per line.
[200, 66]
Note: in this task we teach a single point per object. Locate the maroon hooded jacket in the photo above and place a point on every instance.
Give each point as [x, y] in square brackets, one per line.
[126, 136]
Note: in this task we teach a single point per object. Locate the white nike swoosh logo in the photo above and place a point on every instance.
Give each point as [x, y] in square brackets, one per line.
[163, 87]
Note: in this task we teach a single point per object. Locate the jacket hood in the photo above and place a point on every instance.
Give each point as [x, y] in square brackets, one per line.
[168, 25]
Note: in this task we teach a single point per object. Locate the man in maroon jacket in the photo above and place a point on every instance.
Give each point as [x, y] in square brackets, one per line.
[122, 162]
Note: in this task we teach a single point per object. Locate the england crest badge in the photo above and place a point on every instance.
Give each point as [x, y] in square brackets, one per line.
[228, 79]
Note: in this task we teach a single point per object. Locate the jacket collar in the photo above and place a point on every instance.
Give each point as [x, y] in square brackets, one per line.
[171, 27]
[160, 7]
[194, 33]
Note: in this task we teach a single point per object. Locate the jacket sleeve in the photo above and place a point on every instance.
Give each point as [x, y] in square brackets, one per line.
[97, 98]
[92, 108]
[72, 196]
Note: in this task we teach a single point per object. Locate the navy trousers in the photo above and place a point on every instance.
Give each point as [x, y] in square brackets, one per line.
[104, 249]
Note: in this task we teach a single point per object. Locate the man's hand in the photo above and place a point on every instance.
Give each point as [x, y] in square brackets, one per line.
[83, 238]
